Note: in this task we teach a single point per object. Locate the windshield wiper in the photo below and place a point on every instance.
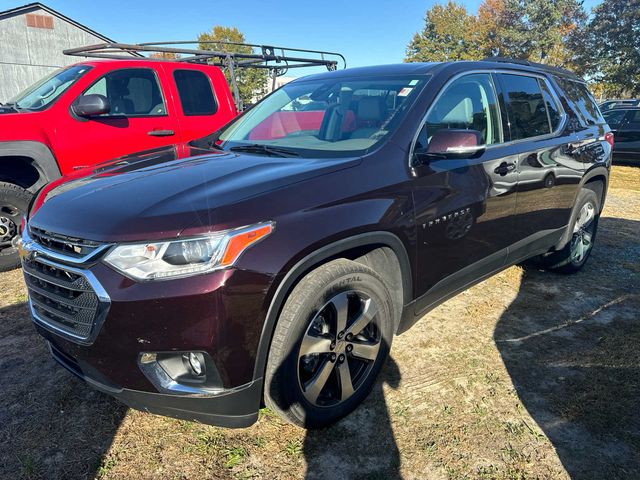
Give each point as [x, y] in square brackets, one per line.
[265, 150]
[11, 105]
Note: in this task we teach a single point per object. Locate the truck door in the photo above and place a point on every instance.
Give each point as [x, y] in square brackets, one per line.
[203, 101]
[139, 119]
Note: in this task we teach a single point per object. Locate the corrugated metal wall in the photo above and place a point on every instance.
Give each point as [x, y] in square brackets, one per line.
[29, 53]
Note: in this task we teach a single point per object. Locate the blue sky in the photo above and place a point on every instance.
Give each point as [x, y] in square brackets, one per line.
[367, 32]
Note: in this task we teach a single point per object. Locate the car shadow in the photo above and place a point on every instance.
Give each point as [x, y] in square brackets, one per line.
[362, 445]
[51, 426]
[571, 345]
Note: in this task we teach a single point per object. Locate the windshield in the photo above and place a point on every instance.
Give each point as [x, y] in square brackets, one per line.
[43, 93]
[329, 117]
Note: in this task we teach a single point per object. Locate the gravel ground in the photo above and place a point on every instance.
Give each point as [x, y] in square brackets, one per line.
[527, 375]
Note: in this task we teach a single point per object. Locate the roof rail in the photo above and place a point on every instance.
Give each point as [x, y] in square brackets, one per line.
[518, 61]
[277, 60]
[542, 66]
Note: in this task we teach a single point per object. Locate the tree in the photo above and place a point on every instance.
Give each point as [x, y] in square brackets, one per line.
[165, 55]
[542, 31]
[612, 47]
[252, 82]
[450, 33]
[539, 30]
[491, 18]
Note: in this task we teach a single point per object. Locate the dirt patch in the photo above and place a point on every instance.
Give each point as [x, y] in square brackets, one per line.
[527, 375]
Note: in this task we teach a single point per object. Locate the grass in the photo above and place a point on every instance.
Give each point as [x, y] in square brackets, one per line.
[234, 456]
[627, 178]
[293, 448]
[28, 466]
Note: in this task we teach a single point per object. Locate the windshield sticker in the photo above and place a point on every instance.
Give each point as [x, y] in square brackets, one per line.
[404, 92]
[413, 83]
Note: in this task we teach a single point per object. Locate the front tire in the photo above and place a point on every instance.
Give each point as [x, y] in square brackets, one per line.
[330, 342]
[14, 202]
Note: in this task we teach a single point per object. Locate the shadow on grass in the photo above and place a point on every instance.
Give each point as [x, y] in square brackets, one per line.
[362, 445]
[571, 345]
[52, 425]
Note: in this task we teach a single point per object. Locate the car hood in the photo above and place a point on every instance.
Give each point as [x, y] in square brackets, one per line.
[154, 196]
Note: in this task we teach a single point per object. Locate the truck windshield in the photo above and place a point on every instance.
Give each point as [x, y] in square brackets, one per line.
[333, 117]
[43, 93]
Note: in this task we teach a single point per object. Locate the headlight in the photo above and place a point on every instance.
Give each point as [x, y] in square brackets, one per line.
[185, 257]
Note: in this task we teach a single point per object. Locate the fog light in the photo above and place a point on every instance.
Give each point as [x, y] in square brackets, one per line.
[148, 358]
[182, 372]
[196, 364]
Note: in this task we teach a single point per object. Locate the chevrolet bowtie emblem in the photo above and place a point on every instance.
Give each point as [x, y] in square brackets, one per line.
[24, 250]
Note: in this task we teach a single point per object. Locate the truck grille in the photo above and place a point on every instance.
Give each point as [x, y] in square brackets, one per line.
[73, 247]
[62, 298]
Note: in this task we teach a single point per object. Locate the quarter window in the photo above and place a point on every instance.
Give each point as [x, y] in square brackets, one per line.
[465, 115]
[581, 102]
[131, 92]
[196, 96]
[526, 108]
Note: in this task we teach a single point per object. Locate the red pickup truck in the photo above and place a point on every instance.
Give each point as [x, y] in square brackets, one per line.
[95, 111]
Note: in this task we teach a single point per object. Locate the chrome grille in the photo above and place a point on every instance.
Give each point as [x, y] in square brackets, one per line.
[73, 247]
[62, 298]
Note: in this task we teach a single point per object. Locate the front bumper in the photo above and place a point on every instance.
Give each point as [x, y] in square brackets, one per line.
[234, 408]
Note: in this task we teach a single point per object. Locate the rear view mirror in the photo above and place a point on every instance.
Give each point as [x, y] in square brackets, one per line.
[91, 105]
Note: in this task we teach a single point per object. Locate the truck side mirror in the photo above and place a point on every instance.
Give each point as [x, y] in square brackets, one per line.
[91, 105]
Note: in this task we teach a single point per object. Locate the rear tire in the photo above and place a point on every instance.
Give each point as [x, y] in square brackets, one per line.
[584, 226]
[14, 203]
[330, 342]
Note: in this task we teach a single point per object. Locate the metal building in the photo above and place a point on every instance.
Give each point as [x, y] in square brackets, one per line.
[32, 38]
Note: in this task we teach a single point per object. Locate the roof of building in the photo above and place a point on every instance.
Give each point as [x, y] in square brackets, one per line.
[40, 6]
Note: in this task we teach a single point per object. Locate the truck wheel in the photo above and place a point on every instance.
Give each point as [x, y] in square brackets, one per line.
[14, 202]
[329, 344]
[584, 227]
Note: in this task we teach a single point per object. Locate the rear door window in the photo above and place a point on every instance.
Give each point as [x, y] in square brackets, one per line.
[527, 111]
[581, 102]
[196, 95]
[555, 115]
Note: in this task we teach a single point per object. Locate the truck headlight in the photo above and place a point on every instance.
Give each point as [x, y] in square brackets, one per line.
[186, 256]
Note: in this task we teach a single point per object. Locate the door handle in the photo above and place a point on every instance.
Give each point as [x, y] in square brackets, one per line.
[161, 133]
[505, 168]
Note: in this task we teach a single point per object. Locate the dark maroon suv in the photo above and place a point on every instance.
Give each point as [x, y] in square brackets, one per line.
[276, 262]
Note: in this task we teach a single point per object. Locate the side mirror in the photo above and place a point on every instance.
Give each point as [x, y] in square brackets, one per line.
[91, 105]
[451, 143]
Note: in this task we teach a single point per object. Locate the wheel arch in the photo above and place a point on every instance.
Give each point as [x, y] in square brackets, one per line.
[378, 250]
[28, 164]
[596, 180]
